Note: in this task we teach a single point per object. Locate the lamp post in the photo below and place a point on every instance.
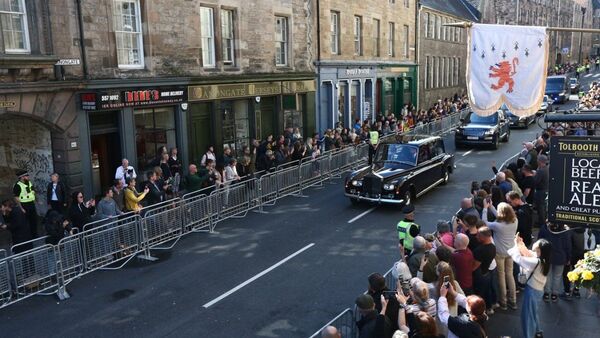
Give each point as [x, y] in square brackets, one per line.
[581, 34]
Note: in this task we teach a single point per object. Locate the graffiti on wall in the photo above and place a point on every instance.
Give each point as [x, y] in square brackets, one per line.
[27, 145]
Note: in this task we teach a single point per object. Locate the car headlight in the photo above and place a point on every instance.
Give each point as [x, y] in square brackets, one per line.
[522, 118]
[357, 183]
[490, 132]
[390, 186]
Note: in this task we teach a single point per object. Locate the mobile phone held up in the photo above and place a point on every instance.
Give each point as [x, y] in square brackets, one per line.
[447, 282]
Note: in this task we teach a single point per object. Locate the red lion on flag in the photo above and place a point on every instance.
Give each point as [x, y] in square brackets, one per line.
[504, 72]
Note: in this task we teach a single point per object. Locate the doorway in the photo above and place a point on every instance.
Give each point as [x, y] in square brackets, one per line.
[106, 149]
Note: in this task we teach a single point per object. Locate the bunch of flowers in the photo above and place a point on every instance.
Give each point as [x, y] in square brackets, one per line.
[587, 271]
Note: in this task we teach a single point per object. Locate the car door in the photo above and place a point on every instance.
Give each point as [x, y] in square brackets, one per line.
[427, 172]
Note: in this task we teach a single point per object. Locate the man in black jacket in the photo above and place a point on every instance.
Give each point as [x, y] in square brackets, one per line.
[156, 194]
[16, 222]
[56, 194]
[371, 324]
[377, 288]
[56, 225]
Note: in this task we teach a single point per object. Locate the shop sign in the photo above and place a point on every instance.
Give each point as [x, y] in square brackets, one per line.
[574, 192]
[68, 62]
[355, 73]
[228, 91]
[132, 98]
[292, 87]
[7, 104]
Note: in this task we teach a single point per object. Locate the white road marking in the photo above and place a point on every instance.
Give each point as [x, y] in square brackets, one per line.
[587, 75]
[264, 272]
[596, 75]
[467, 153]
[361, 215]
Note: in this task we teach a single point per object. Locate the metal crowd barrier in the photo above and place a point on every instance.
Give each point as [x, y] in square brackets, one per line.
[344, 323]
[36, 268]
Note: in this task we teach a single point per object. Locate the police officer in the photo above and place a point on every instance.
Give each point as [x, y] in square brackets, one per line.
[25, 198]
[407, 228]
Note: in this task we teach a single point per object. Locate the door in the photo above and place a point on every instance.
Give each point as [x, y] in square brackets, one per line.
[267, 118]
[106, 157]
[200, 131]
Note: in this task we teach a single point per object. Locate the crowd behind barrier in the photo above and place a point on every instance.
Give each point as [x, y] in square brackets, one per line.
[43, 269]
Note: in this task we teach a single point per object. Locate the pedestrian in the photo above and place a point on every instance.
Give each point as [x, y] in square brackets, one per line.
[118, 194]
[24, 193]
[107, 207]
[132, 197]
[524, 216]
[466, 325]
[482, 276]
[193, 181]
[504, 229]
[462, 261]
[208, 155]
[81, 211]
[125, 171]
[560, 239]
[407, 228]
[535, 266]
[541, 180]
[372, 323]
[56, 194]
[156, 190]
[57, 227]
[15, 220]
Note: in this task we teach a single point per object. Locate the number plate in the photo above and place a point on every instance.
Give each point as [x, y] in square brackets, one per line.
[472, 138]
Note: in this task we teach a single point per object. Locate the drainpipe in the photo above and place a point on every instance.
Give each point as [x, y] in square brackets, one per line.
[81, 41]
[318, 96]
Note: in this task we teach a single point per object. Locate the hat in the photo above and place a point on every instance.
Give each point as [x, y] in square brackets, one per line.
[365, 302]
[22, 173]
[408, 209]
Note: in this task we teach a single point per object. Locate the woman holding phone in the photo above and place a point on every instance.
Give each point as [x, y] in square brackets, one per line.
[535, 265]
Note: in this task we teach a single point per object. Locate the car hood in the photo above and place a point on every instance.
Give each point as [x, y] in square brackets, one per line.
[386, 173]
[478, 126]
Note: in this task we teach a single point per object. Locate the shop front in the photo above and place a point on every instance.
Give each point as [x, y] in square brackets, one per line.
[133, 123]
[346, 93]
[396, 86]
[232, 115]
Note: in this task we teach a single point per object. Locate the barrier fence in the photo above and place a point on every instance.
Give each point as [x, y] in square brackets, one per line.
[36, 268]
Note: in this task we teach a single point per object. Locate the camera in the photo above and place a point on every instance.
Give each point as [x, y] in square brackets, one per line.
[130, 171]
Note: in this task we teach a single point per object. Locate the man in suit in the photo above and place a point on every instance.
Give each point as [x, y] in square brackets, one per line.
[56, 194]
[156, 193]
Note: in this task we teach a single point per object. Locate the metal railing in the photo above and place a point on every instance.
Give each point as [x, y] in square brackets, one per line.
[37, 268]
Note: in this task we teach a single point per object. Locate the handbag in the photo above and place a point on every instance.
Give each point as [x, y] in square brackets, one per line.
[523, 279]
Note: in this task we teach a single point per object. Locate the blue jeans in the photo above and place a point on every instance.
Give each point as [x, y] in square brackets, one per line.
[530, 323]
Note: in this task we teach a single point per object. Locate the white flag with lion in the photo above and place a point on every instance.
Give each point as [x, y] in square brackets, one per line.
[507, 64]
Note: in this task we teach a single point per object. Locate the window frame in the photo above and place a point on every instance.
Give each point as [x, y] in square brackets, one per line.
[227, 42]
[284, 42]
[376, 37]
[426, 22]
[427, 70]
[140, 36]
[335, 32]
[406, 31]
[391, 37]
[25, 27]
[210, 43]
[358, 50]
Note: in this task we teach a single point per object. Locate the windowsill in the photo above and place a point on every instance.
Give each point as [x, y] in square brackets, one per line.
[16, 61]
[126, 68]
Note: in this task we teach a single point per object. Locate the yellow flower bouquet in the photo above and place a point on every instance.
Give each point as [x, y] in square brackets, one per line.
[587, 271]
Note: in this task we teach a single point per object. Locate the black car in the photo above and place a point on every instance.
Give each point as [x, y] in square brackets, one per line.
[403, 168]
[480, 130]
[517, 121]
[574, 85]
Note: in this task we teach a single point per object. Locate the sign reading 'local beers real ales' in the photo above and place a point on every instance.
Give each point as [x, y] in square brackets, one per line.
[574, 195]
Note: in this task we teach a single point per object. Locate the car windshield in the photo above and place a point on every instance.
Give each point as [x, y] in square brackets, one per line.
[394, 154]
[555, 84]
[474, 118]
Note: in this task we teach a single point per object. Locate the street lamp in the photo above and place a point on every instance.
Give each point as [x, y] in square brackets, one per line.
[581, 34]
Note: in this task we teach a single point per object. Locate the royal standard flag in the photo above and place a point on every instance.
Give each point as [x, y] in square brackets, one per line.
[507, 64]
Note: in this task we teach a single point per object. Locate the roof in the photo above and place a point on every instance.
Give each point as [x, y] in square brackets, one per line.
[408, 139]
[459, 8]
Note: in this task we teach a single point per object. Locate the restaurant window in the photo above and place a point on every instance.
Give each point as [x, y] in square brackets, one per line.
[128, 34]
[154, 128]
[227, 35]
[355, 100]
[235, 126]
[13, 17]
[388, 96]
[342, 87]
[207, 36]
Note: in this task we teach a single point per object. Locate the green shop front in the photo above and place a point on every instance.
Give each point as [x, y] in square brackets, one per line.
[233, 114]
[395, 87]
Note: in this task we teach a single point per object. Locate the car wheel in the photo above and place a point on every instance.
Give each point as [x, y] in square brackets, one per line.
[445, 176]
[496, 142]
[407, 197]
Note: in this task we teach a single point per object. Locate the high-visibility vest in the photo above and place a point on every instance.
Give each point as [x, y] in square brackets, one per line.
[24, 196]
[404, 234]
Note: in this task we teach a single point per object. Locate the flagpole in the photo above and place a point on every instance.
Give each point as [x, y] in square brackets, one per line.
[553, 29]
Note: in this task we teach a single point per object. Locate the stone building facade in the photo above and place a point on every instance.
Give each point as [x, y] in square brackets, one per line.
[366, 63]
[564, 46]
[112, 79]
[442, 50]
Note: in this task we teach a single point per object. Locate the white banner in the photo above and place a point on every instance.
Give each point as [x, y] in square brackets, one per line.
[506, 64]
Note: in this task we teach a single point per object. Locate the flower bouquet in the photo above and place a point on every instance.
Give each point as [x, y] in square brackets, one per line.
[587, 271]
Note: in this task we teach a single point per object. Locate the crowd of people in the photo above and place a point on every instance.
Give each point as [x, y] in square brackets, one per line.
[448, 283]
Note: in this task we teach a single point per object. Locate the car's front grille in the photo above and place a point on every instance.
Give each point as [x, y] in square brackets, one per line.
[474, 132]
[372, 185]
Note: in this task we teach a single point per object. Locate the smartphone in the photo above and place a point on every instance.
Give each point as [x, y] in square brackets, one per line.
[447, 282]
[389, 294]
